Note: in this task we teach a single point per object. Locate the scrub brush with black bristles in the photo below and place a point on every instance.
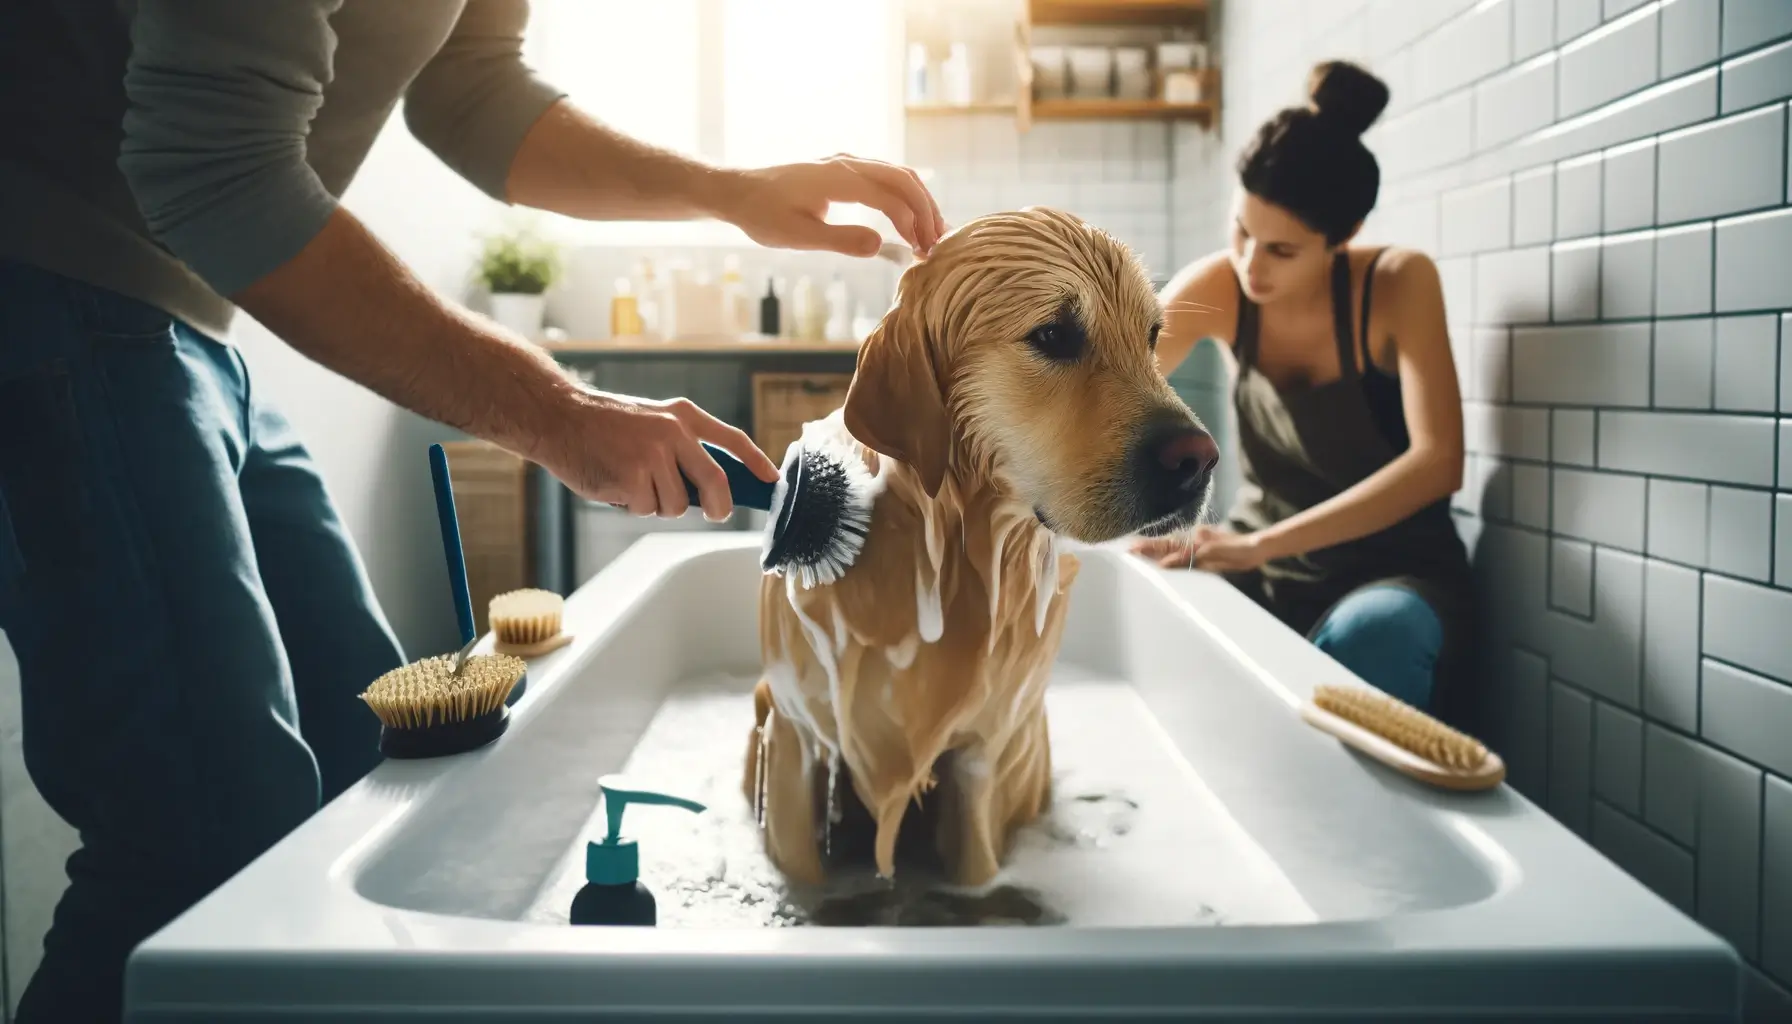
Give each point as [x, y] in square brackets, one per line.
[427, 709]
[1404, 738]
[819, 508]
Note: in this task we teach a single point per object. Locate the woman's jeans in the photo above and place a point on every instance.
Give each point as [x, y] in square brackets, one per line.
[191, 620]
[1388, 635]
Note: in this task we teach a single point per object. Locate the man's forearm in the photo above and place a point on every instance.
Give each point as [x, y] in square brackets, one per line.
[347, 303]
[571, 164]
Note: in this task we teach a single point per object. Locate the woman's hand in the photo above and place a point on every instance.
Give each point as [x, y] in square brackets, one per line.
[1209, 548]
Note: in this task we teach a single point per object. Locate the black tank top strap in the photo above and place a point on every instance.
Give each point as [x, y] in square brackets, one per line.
[1368, 291]
[1341, 315]
[1380, 389]
[1244, 331]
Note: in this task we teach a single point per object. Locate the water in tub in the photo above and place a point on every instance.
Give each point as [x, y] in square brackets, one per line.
[1132, 837]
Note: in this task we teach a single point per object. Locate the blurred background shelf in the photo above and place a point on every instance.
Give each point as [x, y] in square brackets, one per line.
[1115, 12]
[959, 109]
[1077, 110]
[1120, 110]
[1063, 60]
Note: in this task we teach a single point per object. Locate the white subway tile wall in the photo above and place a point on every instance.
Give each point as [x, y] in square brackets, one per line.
[1604, 184]
[1613, 242]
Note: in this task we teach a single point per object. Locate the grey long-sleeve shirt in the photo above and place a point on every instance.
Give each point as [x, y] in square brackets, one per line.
[178, 150]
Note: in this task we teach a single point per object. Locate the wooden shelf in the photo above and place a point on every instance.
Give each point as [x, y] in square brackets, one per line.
[1115, 12]
[1067, 110]
[958, 109]
[751, 344]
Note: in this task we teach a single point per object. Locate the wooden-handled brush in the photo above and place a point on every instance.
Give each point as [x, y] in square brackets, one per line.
[1404, 738]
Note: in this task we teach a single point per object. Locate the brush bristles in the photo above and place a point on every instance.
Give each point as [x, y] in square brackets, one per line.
[528, 616]
[427, 692]
[832, 515]
[1402, 725]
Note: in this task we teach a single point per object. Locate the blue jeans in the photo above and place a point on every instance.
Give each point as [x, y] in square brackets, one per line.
[191, 620]
[1388, 635]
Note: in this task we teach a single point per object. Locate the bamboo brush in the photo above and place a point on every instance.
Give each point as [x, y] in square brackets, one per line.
[1404, 738]
[527, 623]
[428, 709]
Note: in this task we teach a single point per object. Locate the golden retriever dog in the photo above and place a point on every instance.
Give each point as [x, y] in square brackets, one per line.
[1008, 399]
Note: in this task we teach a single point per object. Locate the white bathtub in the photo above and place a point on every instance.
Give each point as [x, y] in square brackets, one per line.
[1343, 891]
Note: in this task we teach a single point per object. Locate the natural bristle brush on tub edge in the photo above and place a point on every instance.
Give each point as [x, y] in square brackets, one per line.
[451, 703]
[527, 622]
[1404, 738]
[427, 709]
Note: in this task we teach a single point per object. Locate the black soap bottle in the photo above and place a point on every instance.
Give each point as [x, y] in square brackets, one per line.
[768, 310]
[613, 893]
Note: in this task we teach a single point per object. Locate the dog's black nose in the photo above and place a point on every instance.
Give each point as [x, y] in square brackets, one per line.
[1187, 456]
[1172, 464]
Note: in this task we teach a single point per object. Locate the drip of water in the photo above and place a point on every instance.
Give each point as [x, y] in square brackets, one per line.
[1047, 586]
[759, 778]
[833, 812]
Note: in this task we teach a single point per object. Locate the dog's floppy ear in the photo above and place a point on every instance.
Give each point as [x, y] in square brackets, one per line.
[895, 405]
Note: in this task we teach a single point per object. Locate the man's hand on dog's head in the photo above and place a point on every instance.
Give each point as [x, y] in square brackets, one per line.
[786, 206]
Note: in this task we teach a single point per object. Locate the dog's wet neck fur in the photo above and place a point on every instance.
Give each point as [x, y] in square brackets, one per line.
[999, 535]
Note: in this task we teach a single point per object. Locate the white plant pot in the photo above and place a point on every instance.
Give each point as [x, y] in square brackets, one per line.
[520, 313]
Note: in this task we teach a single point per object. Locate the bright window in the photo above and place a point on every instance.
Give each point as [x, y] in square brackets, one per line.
[739, 82]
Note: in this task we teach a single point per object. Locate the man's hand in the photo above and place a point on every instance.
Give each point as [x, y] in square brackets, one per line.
[385, 330]
[629, 452]
[573, 165]
[784, 206]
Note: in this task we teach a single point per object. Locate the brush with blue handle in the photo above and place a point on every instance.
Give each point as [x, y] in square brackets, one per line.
[457, 564]
[820, 510]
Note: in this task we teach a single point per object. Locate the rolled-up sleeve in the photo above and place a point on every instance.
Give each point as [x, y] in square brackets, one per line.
[220, 96]
[476, 99]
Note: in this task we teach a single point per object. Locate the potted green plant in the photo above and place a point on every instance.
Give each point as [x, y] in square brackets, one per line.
[518, 268]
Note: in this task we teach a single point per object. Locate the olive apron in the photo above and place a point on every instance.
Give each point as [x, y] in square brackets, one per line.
[1301, 449]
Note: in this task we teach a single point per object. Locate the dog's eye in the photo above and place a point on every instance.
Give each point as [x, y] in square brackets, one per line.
[1061, 341]
[1151, 342]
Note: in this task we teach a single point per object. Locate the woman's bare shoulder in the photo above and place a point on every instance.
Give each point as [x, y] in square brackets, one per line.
[1401, 269]
[1203, 297]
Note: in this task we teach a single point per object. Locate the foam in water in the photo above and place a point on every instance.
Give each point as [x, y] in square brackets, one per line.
[1132, 837]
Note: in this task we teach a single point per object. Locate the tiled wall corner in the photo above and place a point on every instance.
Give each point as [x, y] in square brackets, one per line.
[1605, 187]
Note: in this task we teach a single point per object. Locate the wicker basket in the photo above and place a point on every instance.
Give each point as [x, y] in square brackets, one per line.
[783, 402]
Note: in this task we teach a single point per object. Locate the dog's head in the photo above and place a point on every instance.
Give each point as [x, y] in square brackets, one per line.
[1021, 352]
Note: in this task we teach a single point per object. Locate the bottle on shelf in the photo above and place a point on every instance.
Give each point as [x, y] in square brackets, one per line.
[647, 292]
[768, 309]
[837, 326]
[737, 305]
[625, 310]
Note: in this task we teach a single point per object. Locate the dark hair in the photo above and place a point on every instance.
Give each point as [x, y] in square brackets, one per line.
[1311, 160]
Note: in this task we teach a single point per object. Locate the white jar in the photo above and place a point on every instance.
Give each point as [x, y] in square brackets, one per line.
[1182, 87]
[1091, 72]
[1051, 73]
[1132, 73]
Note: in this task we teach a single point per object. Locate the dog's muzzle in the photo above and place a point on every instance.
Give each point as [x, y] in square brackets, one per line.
[1173, 469]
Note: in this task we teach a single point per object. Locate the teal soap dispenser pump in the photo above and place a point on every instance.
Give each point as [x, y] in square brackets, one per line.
[613, 893]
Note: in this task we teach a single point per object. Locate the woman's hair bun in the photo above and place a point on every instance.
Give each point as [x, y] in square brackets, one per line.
[1347, 95]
